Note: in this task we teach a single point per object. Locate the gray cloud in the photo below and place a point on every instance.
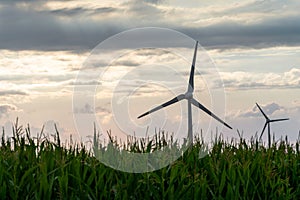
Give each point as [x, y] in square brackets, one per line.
[86, 109]
[27, 78]
[69, 12]
[259, 6]
[92, 82]
[82, 11]
[45, 30]
[26, 2]
[268, 33]
[11, 92]
[6, 109]
[154, 1]
[30, 29]
[144, 10]
[269, 109]
[127, 63]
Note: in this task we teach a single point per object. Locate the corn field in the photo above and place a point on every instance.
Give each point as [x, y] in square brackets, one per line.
[36, 168]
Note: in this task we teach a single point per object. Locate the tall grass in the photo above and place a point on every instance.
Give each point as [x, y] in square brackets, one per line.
[36, 168]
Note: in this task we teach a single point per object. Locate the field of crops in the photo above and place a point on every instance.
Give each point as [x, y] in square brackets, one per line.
[35, 168]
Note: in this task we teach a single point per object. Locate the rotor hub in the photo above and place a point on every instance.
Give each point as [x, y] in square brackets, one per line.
[188, 95]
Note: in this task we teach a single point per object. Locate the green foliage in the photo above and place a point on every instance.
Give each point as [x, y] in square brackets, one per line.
[35, 168]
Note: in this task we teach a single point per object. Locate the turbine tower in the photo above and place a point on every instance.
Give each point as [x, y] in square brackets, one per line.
[268, 121]
[190, 99]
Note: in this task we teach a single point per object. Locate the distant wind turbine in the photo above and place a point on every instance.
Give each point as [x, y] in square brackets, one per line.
[268, 121]
[189, 97]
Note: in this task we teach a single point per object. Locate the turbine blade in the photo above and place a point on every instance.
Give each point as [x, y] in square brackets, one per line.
[263, 130]
[174, 100]
[199, 105]
[191, 80]
[262, 111]
[277, 120]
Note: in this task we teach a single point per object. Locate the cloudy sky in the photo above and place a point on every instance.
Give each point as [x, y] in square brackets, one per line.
[252, 47]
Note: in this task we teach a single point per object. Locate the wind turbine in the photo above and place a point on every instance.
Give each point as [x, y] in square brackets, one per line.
[189, 97]
[268, 121]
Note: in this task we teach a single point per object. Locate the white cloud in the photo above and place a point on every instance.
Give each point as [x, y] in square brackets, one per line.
[251, 80]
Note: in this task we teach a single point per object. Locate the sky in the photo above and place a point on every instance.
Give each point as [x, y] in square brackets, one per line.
[54, 52]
